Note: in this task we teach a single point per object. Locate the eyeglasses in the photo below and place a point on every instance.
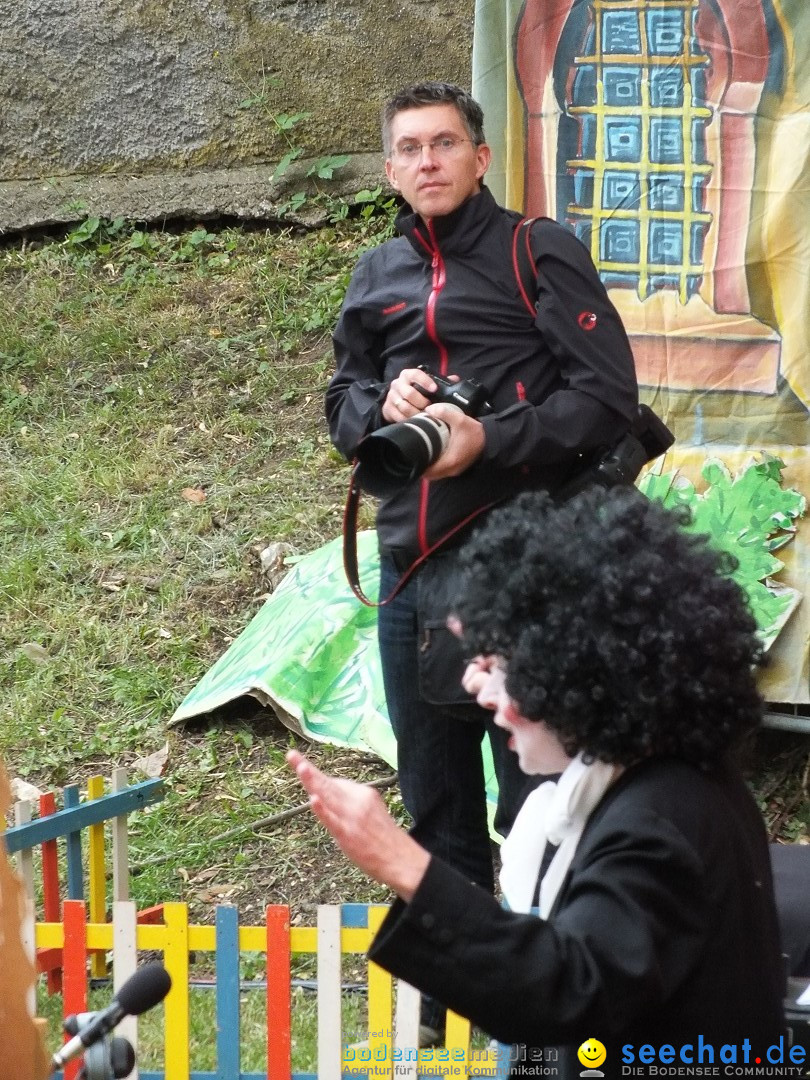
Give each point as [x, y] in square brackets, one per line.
[443, 147]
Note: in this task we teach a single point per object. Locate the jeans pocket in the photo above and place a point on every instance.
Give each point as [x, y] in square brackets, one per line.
[441, 665]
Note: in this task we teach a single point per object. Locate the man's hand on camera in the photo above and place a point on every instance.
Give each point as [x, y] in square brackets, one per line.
[465, 446]
[403, 399]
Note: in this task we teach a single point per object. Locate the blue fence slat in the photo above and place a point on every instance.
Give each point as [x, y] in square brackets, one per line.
[227, 961]
[73, 848]
[70, 820]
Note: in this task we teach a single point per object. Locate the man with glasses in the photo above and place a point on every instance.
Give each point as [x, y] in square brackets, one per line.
[448, 294]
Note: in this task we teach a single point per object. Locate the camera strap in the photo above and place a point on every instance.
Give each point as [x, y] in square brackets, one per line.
[523, 263]
[648, 437]
[350, 562]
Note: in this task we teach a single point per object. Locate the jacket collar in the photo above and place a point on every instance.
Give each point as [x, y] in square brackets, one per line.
[457, 232]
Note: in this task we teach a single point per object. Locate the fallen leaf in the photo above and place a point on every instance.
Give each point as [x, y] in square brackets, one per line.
[194, 495]
[215, 893]
[205, 875]
[155, 764]
[36, 652]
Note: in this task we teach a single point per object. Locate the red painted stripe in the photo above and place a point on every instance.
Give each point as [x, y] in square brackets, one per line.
[279, 1042]
[51, 903]
[394, 308]
[521, 391]
[75, 967]
[150, 916]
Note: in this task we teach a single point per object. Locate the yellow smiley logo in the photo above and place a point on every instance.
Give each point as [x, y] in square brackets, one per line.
[591, 1054]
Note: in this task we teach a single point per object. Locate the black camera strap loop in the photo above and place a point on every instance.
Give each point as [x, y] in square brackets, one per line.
[350, 562]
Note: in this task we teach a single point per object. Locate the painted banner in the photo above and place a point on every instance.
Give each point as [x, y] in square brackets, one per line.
[673, 138]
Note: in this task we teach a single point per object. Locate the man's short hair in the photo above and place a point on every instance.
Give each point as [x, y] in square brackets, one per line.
[419, 95]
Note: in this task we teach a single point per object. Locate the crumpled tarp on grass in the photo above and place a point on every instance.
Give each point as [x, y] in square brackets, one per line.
[311, 654]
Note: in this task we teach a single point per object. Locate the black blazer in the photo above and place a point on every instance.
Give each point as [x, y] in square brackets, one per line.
[664, 933]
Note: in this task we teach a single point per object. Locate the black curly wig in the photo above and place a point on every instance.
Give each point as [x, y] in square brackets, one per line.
[620, 630]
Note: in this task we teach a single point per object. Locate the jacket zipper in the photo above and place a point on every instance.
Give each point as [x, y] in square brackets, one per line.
[439, 279]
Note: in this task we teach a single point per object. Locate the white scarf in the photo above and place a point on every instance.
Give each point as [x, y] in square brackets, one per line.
[552, 813]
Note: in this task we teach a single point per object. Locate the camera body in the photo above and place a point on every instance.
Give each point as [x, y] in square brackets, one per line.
[398, 454]
[467, 394]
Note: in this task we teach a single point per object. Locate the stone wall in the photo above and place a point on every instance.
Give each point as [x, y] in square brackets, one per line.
[166, 107]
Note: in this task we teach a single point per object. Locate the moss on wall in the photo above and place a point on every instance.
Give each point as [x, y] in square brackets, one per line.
[150, 85]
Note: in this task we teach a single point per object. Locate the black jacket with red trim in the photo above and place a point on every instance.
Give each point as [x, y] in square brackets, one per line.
[562, 383]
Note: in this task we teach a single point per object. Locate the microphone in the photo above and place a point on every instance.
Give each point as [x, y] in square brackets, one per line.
[146, 988]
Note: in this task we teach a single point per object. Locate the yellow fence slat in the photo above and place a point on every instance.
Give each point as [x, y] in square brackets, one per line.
[380, 1012]
[97, 892]
[175, 956]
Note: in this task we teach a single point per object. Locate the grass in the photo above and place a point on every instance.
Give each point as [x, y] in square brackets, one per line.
[161, 423]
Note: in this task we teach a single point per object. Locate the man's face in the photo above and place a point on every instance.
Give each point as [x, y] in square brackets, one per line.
[434, 183]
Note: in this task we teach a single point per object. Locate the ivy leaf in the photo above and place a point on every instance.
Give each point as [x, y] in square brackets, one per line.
[286, 161]
[749, 515]
[287, 121]
[325, 167]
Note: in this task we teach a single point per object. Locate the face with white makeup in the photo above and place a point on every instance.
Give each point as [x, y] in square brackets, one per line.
[539, 750]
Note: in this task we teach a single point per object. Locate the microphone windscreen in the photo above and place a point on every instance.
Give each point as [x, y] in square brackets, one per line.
[146, 988]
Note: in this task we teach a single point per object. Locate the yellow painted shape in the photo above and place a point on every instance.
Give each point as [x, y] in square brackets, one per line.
[457, 1039]
[97, 893]
[176, 1036]
[380, 999]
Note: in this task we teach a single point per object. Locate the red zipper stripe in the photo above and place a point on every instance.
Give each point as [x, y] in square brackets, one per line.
[439, 280]
[438, 283]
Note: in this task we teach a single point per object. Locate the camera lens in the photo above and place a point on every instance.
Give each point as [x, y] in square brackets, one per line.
[397, 454]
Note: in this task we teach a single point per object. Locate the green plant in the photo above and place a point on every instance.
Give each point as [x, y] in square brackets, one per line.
[285, 124]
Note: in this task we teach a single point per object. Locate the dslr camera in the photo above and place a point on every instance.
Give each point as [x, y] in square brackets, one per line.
[397, 454]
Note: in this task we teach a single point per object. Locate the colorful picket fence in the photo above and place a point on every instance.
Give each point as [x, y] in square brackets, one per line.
[392, 1006]
[75, 941]
[70, 825]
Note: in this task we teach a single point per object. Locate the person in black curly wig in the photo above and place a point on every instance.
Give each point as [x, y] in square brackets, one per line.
[621, 631]
[639, 917]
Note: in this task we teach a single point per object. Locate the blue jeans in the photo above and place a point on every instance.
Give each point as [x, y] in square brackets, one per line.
[439, 759]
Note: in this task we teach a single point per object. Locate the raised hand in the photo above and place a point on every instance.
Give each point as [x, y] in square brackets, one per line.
[365, 832]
